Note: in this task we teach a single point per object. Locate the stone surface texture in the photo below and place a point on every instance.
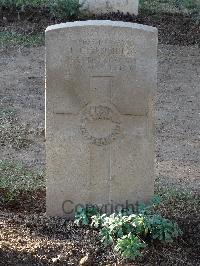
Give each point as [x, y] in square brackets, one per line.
[100, 81]
[106, 6]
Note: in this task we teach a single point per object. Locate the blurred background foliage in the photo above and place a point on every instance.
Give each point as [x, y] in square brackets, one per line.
[71, 8]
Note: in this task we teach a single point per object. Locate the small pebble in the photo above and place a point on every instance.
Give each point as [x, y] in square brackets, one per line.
[86, 261]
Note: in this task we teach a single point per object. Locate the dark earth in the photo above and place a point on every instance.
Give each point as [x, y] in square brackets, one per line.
[173, 29]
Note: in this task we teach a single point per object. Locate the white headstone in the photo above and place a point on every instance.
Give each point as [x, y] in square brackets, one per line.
[106, 6]
[100, 80]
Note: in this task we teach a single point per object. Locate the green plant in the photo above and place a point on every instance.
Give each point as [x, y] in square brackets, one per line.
[83, 215]
[130, 246]
[106, 237]
[163, 229]
[129, 232]
[119, 225]
[22, 5]
[63, 9]
[60, 9]
[97, 220]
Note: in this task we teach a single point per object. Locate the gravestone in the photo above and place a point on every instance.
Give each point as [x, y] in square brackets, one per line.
[106, 6]
[100, 80]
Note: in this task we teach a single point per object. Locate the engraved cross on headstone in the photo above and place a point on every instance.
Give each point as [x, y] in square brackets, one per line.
[100, 78]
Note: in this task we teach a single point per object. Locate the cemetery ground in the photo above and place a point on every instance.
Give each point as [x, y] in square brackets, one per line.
[27, 236]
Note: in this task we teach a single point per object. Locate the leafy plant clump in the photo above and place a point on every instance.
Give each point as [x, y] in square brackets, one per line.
[129, 246]
[129, 234]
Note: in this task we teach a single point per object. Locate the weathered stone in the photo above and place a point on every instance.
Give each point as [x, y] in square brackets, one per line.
[100, 79]
[106, 6]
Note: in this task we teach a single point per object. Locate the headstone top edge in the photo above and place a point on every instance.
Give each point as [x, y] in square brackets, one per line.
[102, 23]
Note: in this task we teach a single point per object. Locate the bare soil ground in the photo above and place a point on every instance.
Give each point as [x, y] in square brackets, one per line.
[177, 116]
[22, 90]
[33, 239]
